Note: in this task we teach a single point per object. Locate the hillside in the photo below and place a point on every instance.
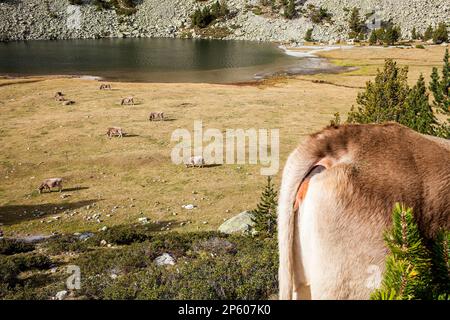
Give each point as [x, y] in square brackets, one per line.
[248, 19]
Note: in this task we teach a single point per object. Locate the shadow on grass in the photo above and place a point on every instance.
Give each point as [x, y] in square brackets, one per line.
[165, 120]
[74, 189]
[130, 135]
[12, 214]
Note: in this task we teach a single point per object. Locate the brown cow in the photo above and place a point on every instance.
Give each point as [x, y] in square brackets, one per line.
[105, 86]
[337, 194]
[127, 101]
[156, 116]
[115, 132]
[48, 184]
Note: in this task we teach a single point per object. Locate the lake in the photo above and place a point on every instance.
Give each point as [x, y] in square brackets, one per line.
[153, 60]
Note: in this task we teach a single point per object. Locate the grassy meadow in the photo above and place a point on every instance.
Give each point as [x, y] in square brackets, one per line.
[133, 177]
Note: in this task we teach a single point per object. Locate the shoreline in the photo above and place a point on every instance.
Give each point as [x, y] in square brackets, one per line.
[316, 65]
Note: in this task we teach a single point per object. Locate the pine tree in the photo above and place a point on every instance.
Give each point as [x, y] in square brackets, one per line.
[289, 10]
[440, 35]
[408, 267]
[308, 35]
[373, 39]
[384, 99]
[418, 113]
[441, 266]
[414, 34]
[428, 33]
[355, 23]
[392, 34]
[265, 216]
[440, 87]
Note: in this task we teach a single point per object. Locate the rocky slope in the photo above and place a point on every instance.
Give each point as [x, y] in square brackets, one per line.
[56, 19]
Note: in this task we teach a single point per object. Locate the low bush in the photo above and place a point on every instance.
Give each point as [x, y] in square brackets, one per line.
[11, 246]
[247, 271]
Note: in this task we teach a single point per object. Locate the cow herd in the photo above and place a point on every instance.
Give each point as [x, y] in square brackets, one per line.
[49, 184]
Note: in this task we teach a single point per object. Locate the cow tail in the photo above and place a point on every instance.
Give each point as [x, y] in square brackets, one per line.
[296, 167]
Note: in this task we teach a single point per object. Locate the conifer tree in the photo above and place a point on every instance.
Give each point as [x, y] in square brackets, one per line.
[418, 114]
[428, 33]
[265, 216]
[440, 35]
[383, 100]
[414, 33]
[413, 271]
[289, 10]
[308, 35]
[440, 87]
[373, 38]
[355, 23]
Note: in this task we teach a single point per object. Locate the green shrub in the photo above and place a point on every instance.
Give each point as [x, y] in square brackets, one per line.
[356, 25]
[64, 243]
[319, 15]
[308, 35]
[389, 98]
[248, 273]
[289, 10]
[414, 271]
[428, 33]
[440, 86]
[11, 266]
[414, 34]
[202, 18]
[440, 35]
[420, 46]
[209, 265]
[11, 246]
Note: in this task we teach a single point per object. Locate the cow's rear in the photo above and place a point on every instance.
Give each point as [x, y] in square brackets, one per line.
[336, 198]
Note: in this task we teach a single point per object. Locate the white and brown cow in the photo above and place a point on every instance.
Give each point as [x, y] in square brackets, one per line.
[115, 132]
[156, 116]
[127, 101]
[195, 161]
[48, 184]
[337, 194]
[105, 86]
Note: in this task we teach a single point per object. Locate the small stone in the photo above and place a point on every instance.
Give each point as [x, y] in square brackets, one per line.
[164, 259]
[61, 295]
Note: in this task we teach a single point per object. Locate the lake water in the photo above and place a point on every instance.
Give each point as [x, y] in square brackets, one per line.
[152, 60]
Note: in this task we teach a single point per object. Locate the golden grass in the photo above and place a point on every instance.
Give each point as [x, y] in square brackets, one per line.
[133, 177]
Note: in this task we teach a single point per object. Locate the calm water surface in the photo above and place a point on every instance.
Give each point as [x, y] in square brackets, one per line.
[151, 60]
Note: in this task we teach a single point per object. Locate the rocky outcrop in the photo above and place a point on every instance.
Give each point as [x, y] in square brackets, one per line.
[57, 19]
[238, 224]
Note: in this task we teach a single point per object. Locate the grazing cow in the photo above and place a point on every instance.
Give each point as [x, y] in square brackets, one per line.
[115, 132]
[127, 101]
[48, 184]
[337, 194]
[60, 98]
[195, 161]
[58, 95]
[104, 86]
[156, 116]
[68, 102]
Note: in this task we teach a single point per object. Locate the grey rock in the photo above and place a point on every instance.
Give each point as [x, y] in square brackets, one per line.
[238, 224]
[164, 259]
[61, 295]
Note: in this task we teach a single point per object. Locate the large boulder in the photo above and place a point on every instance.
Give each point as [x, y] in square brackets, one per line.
[238, 224]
